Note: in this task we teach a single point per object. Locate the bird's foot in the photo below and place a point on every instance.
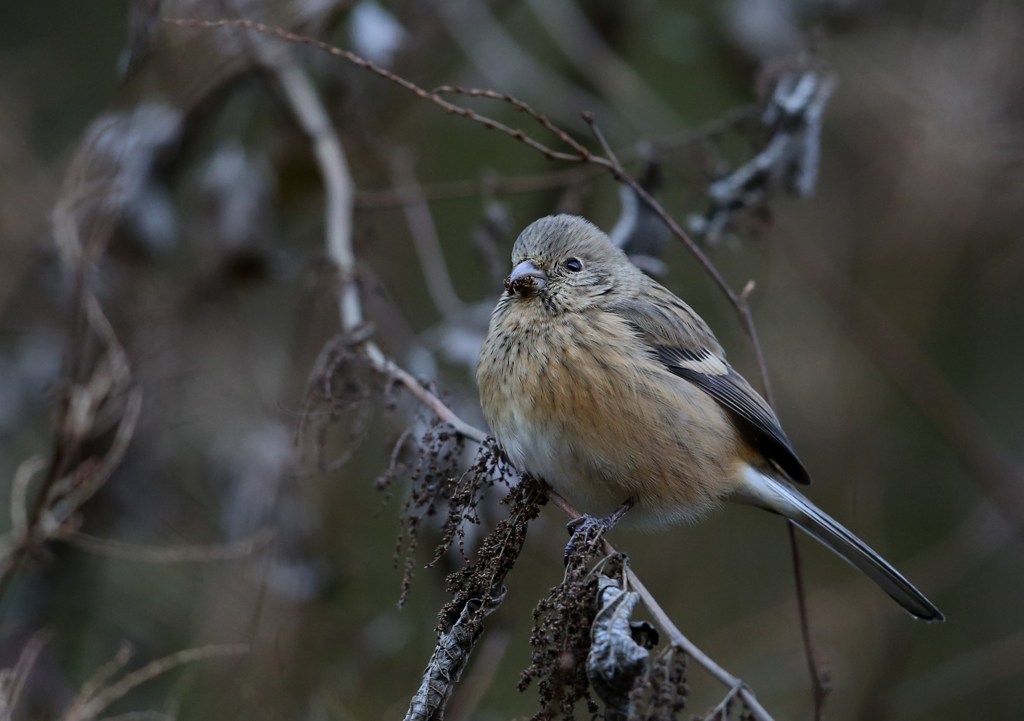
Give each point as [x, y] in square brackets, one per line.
[586, 531]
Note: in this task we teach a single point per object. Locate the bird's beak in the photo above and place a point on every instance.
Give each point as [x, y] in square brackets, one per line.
[525, 279]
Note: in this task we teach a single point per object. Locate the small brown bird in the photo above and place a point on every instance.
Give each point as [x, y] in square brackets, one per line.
[599, 380]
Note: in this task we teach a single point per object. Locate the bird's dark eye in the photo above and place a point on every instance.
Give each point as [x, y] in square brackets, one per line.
[573, 265]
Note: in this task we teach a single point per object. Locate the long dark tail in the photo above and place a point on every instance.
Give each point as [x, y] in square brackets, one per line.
[772, 495]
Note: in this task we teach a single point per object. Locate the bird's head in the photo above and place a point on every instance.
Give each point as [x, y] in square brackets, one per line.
[566, 264]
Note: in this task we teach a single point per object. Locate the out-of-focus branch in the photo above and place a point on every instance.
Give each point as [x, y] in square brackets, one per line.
[1001, 475]
[302, 100]
[500, 185]
[99, 395]
[172, 554]
[97, 695]
[789, 159]
[424, 236]
[14, 679]
[593, 59]
[499, 59]
[821, 685]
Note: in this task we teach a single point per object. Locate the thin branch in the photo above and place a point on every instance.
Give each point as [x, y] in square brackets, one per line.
[523, 107]
[432, 402]
[820, 686]
[377, 70]
[90, 705]
[496, 56]
[301, 97]
[706, 662]
[993, 464]
[99, 390]
[491, 183]
[230, 551]
[305, 105]
[99, 678]
[12, 681]
[424, 235]
[594, 60]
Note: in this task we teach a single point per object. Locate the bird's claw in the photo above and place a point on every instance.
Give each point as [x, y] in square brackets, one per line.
[584, 533]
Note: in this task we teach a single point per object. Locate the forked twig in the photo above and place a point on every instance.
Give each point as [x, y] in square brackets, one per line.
[97, 695]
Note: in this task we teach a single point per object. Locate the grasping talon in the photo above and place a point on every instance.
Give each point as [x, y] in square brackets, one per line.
[588, 529]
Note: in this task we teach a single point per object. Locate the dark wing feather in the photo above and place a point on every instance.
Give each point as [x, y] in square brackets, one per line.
[683, 343]
[753, 415]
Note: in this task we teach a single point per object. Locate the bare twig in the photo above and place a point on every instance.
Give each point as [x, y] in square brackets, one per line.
[13, 680]
[498, 185]
[498, 57]
[99, 392]
[107, 671]
[523, 107]
[305, 105]
[424, 234]
[1000, 473]
[591, 56]
[820, 686]
[95, 698]
[789, 159]
[431, 401]
[377, 70]
[301, 97]
[172, 554]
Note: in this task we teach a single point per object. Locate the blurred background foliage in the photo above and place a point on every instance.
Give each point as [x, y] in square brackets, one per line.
[889, 307]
